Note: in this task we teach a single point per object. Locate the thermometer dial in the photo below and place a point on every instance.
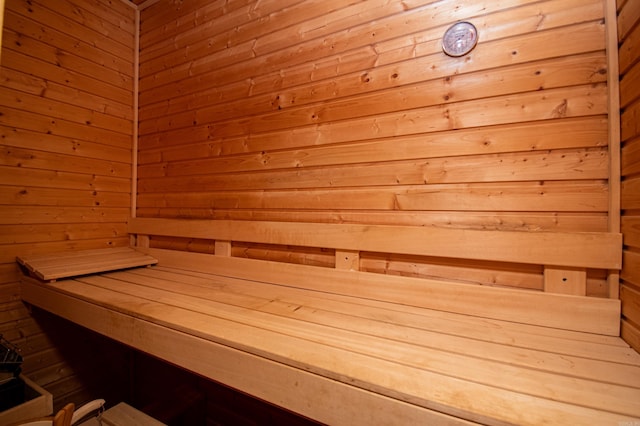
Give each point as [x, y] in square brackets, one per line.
[459, 39]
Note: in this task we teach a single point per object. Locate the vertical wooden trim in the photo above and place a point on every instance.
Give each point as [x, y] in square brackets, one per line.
[143, 241]
[1, 25]
[565, 280]
[134, 148]
[613, 83]
[222, 248]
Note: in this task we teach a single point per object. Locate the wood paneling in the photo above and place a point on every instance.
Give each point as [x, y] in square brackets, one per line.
[350, 111]
[303, 110]
[629, 42]
[66, 125]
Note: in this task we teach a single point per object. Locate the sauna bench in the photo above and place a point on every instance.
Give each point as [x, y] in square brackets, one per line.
[343, 346]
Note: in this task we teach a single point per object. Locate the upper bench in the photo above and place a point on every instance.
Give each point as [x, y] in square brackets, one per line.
[564, 256]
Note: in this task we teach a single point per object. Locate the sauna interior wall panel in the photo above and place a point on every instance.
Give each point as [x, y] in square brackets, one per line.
[629, 57]
[66, 126]
[349, 111]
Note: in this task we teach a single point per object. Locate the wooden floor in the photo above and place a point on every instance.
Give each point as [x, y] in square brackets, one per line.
[417, 363]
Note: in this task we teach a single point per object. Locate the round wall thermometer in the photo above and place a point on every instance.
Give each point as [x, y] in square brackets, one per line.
[460, 39]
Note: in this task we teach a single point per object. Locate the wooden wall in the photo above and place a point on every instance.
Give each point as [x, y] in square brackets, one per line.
[66, 124]
[629, 37]
[303, 110]
[348, 111]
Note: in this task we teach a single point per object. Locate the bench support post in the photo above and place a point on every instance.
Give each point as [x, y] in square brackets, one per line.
[141, 241]
[565, 280]
[348, 259]
[223, 248]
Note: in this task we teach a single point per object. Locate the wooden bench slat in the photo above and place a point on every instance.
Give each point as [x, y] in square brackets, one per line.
[584, 250]
[561, 387]
[318, 397]
[548, 340]
[266, 299]
[564, 342]
[601, 316]
[70, 264]
[376, 374]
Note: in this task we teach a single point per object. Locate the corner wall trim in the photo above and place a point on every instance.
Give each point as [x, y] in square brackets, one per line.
[136, 94]
[613, 84]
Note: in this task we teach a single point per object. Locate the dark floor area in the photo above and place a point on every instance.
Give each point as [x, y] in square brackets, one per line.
[87, 366]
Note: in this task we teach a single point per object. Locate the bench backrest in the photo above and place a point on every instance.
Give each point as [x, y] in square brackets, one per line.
[597, 250]
[564, 256]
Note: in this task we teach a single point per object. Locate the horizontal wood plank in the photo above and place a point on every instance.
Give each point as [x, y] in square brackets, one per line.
[51, 90]
[47, 247]
[627, 18]
[279, 151]
[23, 139]
[94, 32]
[512, 197]
[347, 38]
[631, 271]
[535, 166]
[461, 325]
[631, 230]
[42, 124]
[303, 102]
[631, 333]
[513, 221]
[34, 233]
[13, 215]
[21, 196]
[55, 109]
[628, 51]
[43, 178]
[595, 250]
